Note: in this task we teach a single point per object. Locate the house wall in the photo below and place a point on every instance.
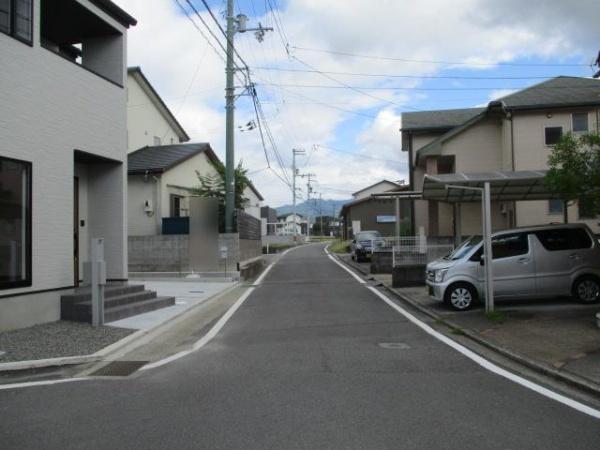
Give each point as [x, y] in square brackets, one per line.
[50, 108]
[531, 153]
[183, 175]
[157, 188]
[253, 205]
[368, 211]
[144, 119]
[377, 189]
[421, 209]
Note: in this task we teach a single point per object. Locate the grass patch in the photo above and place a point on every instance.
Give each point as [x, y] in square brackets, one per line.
[340, 246]
[457, 331]
[495, 316]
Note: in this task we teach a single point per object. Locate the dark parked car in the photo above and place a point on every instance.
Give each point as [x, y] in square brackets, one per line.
[363, 244]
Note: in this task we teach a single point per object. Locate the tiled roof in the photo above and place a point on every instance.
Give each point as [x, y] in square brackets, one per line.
[162, 157]
[435, 120]
[556, 92]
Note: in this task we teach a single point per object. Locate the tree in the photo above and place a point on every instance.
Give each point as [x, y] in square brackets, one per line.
[574, 173]
[214, 186]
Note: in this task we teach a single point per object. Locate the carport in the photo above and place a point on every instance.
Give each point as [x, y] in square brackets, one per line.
[485, 187]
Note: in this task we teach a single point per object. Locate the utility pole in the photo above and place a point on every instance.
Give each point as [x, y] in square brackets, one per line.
[229, 124]
[239, 20]
[321, 213]
[308, 192]
[295, 151]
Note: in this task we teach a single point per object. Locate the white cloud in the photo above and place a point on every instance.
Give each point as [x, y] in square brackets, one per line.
[172, 53]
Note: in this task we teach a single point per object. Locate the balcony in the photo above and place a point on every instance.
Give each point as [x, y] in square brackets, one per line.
[78, 35]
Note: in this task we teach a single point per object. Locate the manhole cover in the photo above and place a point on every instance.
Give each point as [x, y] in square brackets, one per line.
[118, 369]
[394, 345]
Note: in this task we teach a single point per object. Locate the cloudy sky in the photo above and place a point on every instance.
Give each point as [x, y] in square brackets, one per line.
[335, 76]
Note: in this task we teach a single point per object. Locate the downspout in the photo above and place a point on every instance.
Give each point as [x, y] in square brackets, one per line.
[411, 182]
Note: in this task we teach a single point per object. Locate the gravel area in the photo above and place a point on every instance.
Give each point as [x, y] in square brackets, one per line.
[56, 339]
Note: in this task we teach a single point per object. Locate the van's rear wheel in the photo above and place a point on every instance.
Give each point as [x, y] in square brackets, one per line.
[587, 289]
[460, 296]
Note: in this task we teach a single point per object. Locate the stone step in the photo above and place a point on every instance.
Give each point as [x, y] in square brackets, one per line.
[83, 312]
[133, 309]
[84, 294]
[110, 302]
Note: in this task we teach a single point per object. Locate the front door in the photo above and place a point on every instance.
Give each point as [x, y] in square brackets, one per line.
[76, 231]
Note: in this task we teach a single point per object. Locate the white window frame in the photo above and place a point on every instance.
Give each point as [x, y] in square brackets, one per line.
[587, 116]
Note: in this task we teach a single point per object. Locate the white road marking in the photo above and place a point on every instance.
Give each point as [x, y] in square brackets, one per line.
[197, 345]
[356, 277]
[487, 364]
[39, 383]
[220, 323]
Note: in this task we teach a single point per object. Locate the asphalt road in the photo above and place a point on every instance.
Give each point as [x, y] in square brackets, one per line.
[300, 365]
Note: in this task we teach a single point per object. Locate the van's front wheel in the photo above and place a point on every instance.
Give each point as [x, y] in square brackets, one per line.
[587, 289]
[460, 296]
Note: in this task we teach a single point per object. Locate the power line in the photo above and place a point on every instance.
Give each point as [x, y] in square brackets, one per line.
[424, 61]
[389, 75]
[220, 28]
[403, 88]
[358, 155]
[347, 86]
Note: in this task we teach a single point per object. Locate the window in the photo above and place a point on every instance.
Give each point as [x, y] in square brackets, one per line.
[176, 205]
[564, 239]
[16, 19]
[552, 135]
[509, 245]
[157, 140]
[15, 223]
[586, 209]
[555, 206]
[580, 122]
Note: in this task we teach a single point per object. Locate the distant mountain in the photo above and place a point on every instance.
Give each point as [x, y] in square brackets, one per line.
[328, 207]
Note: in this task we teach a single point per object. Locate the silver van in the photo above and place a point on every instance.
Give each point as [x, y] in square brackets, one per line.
[533, 262]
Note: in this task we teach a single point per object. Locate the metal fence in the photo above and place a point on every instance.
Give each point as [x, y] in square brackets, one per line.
[414, 250]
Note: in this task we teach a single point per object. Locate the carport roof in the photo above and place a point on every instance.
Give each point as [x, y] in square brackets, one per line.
[504, 186]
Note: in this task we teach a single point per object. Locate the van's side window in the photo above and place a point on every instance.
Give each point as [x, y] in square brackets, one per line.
[510, 245]
[564, 239]
[506, 246]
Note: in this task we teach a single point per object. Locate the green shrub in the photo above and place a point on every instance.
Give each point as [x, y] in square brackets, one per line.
[340, 246]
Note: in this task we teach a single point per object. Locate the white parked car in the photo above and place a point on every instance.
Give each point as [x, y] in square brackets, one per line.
[543, 262]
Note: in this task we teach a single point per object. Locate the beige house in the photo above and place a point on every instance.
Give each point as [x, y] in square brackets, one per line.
[514, 133]
[149, 120]
[163, 166]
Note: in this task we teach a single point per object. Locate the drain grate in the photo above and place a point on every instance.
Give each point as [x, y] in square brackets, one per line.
[118, 369]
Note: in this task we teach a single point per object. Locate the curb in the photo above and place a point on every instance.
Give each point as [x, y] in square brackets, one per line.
[568, 378]
[133, 340]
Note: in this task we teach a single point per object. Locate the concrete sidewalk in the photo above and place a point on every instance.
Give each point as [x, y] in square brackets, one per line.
[556, 336]
[64, 343]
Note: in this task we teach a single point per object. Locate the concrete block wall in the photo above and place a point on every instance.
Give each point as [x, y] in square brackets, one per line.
[170, 253]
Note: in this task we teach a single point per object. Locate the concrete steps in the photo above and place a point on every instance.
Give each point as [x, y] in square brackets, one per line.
[120, 301]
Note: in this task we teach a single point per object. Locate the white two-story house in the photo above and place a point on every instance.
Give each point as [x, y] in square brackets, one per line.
[163, 164]
[514, 133]
[63, 158]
